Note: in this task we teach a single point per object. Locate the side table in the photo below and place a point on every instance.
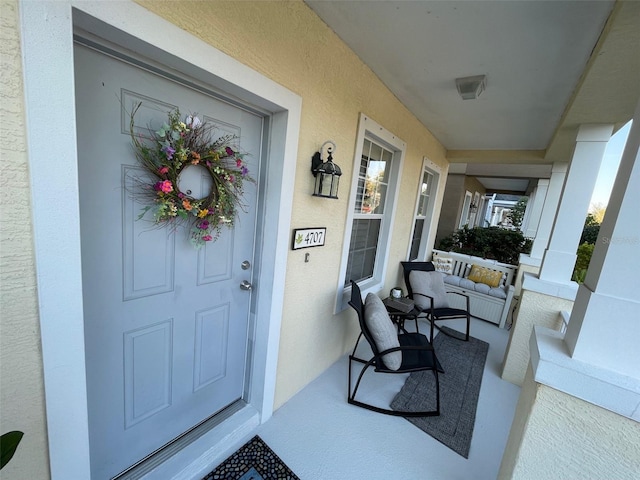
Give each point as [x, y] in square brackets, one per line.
[401, 310]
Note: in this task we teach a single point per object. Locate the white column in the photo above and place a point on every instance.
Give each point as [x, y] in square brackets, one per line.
[549, 209]
[531, 198]
[560, 257]
[535, 209]
[604, 328]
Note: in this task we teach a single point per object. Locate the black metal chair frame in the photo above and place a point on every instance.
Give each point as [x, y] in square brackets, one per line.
[435, 314]
[417, 355]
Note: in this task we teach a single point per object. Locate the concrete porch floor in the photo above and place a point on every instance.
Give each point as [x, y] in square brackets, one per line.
[320, 436]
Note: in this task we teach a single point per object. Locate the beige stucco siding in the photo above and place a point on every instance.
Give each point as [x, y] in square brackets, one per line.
[473, 185]
[288, 43]
[534, 308]
[556, 435]
[21, 379]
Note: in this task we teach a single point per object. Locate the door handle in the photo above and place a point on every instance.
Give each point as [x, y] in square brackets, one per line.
[244, 285]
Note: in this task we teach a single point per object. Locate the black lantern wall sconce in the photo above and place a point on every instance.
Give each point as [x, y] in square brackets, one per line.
[327, 173]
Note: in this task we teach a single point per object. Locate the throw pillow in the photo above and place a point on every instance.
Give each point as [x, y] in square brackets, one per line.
[382, 330]
[428, 283]
[443, 264]
[485, 275]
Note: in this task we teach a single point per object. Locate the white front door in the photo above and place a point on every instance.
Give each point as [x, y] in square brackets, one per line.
[166, 324]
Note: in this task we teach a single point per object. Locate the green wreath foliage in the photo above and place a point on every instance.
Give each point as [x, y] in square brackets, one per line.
[177, 145]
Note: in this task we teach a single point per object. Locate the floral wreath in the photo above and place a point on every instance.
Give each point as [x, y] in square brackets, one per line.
[176, 146]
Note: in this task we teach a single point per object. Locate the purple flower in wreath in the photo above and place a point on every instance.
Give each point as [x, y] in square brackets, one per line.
[169, 151]
[229, 151]
[244, 170]
[203, 225]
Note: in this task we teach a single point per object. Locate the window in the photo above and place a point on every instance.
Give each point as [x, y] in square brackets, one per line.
[377, 165]
[424, 212]
[464, 217]
[371, 196]
[473, 210]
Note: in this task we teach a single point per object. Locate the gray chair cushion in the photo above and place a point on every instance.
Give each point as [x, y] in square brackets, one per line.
[382, 330]
[428, 283]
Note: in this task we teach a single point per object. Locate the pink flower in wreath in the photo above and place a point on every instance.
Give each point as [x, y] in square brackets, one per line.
[238, 162]
[163, 186]
[207, 238]
[163, 170]
[229, 151]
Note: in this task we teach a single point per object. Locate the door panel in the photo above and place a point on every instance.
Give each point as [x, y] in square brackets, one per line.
[165, 323]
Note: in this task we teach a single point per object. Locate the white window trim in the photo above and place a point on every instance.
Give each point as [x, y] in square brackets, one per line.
[474, 215]
[371, 129]
[480, 214]
[429, 230]
[464, 215]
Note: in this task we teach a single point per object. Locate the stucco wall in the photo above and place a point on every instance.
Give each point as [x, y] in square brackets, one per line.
[556, 435]
[534, 308]
[451, 206]
[21, 380]
[472, 185]
[288, 43]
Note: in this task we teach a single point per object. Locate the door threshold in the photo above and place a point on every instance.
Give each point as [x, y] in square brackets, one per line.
[197, 452]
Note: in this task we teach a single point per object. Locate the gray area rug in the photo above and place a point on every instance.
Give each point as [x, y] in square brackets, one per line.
[463, 364]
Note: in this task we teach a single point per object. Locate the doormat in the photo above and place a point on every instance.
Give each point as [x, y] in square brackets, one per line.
[253, 461]
[463, 364]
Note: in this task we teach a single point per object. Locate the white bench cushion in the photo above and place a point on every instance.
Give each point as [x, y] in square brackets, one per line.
[497, 292]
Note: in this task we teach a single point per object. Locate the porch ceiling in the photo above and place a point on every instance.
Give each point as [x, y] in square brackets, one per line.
[550, 66]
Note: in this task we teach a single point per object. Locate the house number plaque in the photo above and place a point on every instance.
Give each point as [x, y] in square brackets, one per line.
[308, 237]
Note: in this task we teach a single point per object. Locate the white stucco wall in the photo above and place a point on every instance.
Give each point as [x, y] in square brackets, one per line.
[556, 435]
[21, 379]
[534, 308]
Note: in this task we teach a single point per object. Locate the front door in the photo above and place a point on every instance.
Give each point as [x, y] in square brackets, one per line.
[166, 324]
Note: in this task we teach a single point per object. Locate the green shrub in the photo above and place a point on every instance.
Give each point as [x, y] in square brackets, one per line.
[516, 214]
[494, 243]
[590, 230]
[582, 262]
[590, 234]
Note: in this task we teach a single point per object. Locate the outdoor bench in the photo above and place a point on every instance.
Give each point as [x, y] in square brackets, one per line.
[490, 295]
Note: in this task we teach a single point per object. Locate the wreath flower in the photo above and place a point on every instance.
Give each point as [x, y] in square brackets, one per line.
[177, 145]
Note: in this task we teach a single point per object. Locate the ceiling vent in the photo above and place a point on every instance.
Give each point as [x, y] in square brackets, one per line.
[470, 88]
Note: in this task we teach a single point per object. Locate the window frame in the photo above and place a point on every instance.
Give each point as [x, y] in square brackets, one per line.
[464, 215]
[428, 229]
[371, 130]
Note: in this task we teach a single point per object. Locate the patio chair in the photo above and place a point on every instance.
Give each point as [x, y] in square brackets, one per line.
[426, 288]
[392, 352]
